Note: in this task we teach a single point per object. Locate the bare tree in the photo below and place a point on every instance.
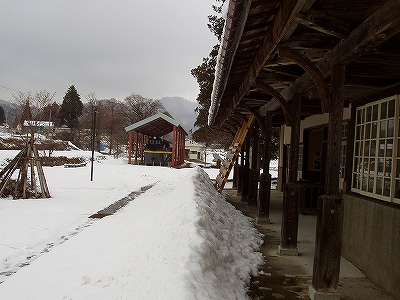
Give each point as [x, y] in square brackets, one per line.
[31, 107]
[113, 122]
[139, 108]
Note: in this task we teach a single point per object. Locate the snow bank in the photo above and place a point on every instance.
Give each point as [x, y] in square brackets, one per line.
[178, 240]
[225, 257]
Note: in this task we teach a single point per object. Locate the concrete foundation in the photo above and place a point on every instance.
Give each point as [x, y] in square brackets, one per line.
[261, 221]
[315, 295]
[288, 252]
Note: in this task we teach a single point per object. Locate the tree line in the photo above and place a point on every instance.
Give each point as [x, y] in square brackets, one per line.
[112, 115]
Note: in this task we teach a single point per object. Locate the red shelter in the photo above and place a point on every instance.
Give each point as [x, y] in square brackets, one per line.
[159, 125]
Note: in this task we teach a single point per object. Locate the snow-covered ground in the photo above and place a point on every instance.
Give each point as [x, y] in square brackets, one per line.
[179, 239]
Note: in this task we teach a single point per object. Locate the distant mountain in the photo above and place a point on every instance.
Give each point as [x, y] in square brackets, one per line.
[8, 107]
[181, 110]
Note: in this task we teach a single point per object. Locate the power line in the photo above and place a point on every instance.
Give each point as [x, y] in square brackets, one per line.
[9, 89]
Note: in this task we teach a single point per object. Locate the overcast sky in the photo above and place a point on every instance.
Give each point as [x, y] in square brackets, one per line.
[113, 48]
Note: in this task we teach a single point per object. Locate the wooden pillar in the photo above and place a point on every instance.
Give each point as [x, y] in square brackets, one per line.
[264, 198]
[290, 214]
[235, 174]
[254, 171]
[180, 160]
[179, 147]
[142, 147]
[130, 147]
[328, 241]
[240, 170]
[283, 161]
[182, 147]
[136, 146]
[174, 138]
[246, 169]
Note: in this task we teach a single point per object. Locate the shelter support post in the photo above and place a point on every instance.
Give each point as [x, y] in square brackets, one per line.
[254, 171]
[246, 170]
[136, 146]
[182, 148]
[290, 214]
[130, 147]
[174, 146]
[328, 242]
[264, 198]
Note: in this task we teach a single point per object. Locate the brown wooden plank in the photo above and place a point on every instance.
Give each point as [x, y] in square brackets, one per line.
[282, 21]
[325, 23]
[236, 143]
[379, 27]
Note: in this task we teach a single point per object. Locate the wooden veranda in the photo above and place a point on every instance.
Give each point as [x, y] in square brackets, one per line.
[284, 61]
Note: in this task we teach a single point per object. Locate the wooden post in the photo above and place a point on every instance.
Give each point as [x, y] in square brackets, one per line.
[328, 241]
[144, 141]
[240, 170]
[174, 138]
[136, 146]
[290, 215]
[246, 170]
[235, 174]
[130, 148]
[254, 171]
[265, 180]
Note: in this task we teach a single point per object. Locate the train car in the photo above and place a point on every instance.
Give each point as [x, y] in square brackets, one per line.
[157, 152]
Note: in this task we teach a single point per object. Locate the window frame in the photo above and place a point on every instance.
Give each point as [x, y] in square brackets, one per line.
[372, 164]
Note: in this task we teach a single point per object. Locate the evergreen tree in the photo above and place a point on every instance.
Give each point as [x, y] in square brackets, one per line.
[27, 112]
[2, 115]
[71, 108]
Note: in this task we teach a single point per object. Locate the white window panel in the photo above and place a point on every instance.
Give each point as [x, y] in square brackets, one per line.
[376, 162]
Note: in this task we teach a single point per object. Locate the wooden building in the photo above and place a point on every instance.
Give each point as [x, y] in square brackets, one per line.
[327, 73]
[159, 125]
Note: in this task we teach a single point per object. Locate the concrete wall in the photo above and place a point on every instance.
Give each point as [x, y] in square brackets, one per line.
[371, 240]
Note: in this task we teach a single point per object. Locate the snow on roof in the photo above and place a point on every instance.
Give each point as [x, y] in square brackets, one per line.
[38, 123]
[232, 31]
[156, 125]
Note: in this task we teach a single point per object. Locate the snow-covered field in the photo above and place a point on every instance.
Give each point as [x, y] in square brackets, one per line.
[179, 239]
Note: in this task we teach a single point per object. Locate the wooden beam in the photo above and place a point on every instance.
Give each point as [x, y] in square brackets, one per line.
[376, 29]
[325, 23]
[288, 10]
[274, 93]
[312, 71]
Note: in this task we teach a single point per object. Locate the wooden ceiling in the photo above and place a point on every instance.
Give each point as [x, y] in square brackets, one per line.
[262, 36]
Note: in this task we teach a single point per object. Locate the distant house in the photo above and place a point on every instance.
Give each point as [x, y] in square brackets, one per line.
[194, 150]
[39, 126]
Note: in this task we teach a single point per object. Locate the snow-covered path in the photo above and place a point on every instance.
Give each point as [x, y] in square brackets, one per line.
[177, 240]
